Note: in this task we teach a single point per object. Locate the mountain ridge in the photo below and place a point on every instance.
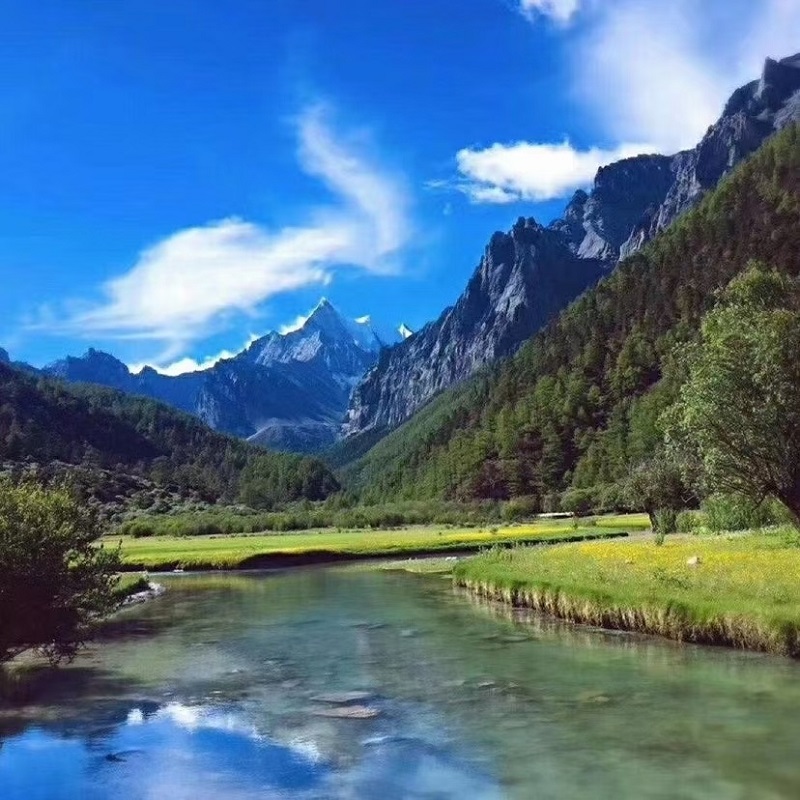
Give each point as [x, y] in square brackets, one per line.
[287, 391]
[563, 421]
[631, 202]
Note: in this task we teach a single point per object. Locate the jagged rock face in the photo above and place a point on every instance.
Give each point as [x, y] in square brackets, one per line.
[522, 280]
[327, 341]
[622, 191]
[4, 357]
[752, 114]
[287, 391]
[531, 273]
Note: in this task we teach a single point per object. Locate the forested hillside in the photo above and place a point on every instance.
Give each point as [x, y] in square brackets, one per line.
[577, 406]
[44, 421]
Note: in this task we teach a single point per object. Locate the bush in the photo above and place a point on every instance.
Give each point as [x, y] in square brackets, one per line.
[54, 579]
[723, 512]
[519, 509]
[689, 521]
[578, 501]
[611, 498]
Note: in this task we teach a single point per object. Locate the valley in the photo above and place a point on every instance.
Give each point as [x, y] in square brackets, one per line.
[543, 541]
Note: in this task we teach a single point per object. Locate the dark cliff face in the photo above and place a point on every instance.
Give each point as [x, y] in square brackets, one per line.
[522, 280]
[286, 391]
[752, 114]
[532, 272]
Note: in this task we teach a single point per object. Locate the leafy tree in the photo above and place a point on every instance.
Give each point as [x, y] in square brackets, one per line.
[55, 581]
[268, 479]
[658, 485]
[741, 403]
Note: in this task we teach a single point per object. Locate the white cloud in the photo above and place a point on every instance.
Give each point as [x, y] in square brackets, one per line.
[295, 324]
[190, 281]
[647, 71]
[645, 74]
[662, 72]
[188, 364]
[525, 171]
[560, 11]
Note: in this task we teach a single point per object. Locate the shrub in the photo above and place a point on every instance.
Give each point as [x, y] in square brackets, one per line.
[578, 501]
[689, 521]
[727, 512]
[54, 579]
[520, 508]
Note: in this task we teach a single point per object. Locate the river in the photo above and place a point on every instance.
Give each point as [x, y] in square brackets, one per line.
[222, 688]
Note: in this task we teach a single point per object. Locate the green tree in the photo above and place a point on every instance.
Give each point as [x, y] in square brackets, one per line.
[658, 485]
[55, 581]
[740, 407]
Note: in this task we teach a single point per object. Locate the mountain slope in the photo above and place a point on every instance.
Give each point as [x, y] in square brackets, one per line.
[532, 272]
[524, 277]
[285, 391]
[577, 405]
[44, 420]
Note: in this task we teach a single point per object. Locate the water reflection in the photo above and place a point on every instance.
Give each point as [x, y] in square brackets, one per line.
[219, 689]
[176, 751]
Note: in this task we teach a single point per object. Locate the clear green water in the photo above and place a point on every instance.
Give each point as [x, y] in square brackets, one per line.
[212, 692]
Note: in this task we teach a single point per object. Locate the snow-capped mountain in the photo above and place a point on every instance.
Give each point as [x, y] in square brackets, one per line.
[287, 391]
[343, 348]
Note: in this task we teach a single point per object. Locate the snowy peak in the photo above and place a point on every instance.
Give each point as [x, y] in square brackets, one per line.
[364, 334]
[324, 315]
[404, 331]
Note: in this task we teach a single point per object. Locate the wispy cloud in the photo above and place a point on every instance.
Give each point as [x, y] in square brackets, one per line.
[295, 324]
[561, 11]
[662, 72]
[192, 280]
[651, 76]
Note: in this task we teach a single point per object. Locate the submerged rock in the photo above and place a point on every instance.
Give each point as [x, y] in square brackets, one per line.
[348, 712]
[152, 591]
[342, 698]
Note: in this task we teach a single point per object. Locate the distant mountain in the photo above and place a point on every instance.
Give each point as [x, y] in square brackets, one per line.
[285, 391]
[532, 272]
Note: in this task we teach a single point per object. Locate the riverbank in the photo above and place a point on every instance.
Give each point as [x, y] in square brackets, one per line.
[283, 550]
[741, 591]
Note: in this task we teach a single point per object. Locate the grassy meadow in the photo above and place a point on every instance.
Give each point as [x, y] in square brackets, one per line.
[237, 551]
[737, 590]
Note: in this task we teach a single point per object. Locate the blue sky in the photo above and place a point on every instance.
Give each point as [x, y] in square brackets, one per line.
[178, 177]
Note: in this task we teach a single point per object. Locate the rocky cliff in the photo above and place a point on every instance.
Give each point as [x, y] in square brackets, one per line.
[522, 279]
[532, 272]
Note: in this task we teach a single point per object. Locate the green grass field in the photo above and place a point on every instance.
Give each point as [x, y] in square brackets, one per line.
[744, 592]
[236, 551]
